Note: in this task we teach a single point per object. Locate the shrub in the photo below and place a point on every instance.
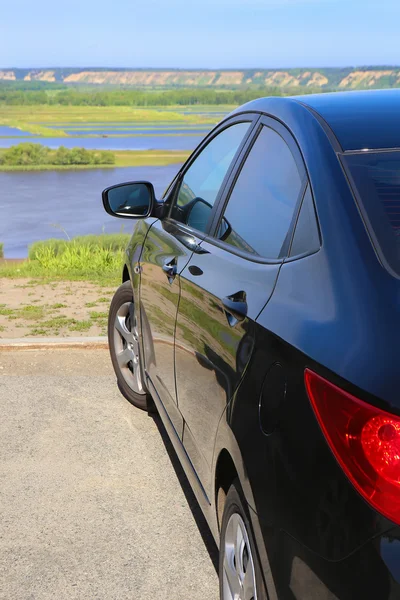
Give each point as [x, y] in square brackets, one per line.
[62, 156]
[1, 250]
[26, 154]
[36, 154]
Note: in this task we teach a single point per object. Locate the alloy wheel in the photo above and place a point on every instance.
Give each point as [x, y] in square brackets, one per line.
[126, 345]
[239, 579]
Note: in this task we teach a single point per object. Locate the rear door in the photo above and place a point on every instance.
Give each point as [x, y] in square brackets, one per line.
[224, 287]
[169, 245]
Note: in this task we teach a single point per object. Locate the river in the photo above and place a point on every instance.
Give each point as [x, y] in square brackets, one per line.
[35, 205]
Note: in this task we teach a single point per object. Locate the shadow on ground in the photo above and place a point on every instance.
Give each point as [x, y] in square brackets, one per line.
[189, 495]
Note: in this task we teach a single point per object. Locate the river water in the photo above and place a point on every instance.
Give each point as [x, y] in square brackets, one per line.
[35, 205]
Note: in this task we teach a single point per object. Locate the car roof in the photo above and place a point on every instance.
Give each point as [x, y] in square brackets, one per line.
[359, 120]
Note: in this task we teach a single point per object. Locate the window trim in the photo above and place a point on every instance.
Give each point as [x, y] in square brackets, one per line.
[376, 243]
[171, 194]
[289, 258]
[288, 138]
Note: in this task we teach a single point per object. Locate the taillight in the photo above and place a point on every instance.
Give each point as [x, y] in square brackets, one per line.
[365, 441]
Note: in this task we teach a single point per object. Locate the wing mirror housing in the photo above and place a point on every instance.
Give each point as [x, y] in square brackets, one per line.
[132, 200]
[198, 214]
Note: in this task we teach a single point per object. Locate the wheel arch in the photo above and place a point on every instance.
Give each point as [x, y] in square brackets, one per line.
[229, 466]
[125, 274]
[225, 474]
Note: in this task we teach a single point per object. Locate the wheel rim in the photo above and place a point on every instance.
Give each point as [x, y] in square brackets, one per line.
[239, 580]
[126, 345]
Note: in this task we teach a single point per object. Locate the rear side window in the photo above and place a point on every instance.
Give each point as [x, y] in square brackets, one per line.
[376, 180]
[261, 206]
[306, 235]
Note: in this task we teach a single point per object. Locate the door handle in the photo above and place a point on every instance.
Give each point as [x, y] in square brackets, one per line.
[171, 269]
[235, 307]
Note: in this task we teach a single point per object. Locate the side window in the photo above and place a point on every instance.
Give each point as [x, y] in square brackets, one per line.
[306, 236]
[203, 179]
[261, 205]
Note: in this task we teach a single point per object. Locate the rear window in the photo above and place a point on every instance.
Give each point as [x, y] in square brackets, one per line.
[376, 178]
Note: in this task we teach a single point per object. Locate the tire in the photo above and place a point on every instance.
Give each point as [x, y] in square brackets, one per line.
[239, 571]
[124, 345]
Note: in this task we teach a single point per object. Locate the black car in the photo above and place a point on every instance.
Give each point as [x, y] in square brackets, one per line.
[260, 315]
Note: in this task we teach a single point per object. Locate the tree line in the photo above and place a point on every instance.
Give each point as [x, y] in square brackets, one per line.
[129, 97]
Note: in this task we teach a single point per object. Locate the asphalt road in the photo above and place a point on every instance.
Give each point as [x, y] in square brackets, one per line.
[93, 502]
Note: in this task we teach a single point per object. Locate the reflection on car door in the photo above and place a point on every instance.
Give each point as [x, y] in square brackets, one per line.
[164, 256]
[224, 289]
[214, 342]
[168, 248]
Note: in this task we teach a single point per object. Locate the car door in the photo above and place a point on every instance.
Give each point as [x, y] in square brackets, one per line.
[170, 243]
[224, 288]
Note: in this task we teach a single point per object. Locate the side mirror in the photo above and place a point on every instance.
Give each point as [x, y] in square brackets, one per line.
[133, 200]
[199, 212]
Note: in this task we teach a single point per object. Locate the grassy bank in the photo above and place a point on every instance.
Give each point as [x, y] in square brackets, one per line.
[123, 158]
[96, 258]
[39, 119]
[33, 128]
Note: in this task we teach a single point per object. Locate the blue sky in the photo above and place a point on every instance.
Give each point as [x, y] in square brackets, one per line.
[193, 34]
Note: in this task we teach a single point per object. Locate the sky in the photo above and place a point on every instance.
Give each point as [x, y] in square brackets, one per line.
[192, 34]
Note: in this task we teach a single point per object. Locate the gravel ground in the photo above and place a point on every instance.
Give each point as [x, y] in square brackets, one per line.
[93, 502]
[29, 307]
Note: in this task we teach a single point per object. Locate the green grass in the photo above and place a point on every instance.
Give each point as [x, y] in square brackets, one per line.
[123, 158]
[27, 313]
[80, 325]
[139, 158]
[33, 128]
[93, 258]
[40, 331]
[1, 249]
[37, 119]
[99, 317]
[107, 241]
[31, 312]
[96, 302]
[55, 324]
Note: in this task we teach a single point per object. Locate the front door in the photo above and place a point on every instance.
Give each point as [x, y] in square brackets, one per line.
[169, 245]
[224, 288]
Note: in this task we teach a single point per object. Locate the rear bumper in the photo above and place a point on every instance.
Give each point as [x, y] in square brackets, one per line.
[293, 572]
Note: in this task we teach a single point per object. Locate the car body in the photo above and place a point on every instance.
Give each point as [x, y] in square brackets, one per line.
[265, 305]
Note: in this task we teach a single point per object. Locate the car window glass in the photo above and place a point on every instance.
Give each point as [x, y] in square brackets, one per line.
[375, 177]
[306, 236]
[203, 179]
[262, 203]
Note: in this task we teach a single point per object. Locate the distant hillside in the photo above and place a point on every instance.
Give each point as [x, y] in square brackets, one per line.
[329, 78]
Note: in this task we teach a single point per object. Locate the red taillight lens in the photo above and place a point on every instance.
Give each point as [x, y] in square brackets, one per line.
[365, 441]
